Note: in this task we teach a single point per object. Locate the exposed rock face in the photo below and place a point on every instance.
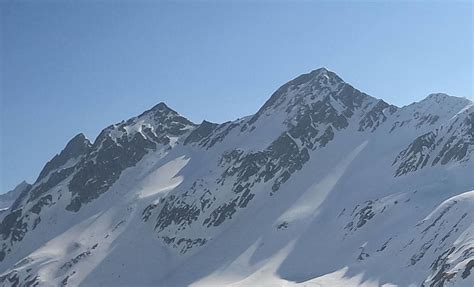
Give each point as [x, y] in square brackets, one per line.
[378, 115]
[7, 199]
[314, 108]
[77, 146]
[122, 146]
[201, 132]
[87, 170]
[321, 165]
[417, 154]
[454, 263]
[453, 142]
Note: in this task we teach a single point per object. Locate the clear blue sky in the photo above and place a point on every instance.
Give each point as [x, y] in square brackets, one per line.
[79, 66]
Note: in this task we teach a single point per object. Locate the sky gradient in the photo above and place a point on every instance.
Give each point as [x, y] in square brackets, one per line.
[80, 66]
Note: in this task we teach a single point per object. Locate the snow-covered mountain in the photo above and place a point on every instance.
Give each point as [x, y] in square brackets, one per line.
[323, 186]
[7, 198]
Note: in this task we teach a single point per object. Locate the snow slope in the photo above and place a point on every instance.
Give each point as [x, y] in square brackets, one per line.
[323, 186]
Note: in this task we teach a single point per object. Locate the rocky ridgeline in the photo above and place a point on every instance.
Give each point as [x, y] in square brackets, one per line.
[253, 158]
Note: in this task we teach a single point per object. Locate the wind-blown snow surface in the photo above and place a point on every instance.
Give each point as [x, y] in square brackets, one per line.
[323, 186]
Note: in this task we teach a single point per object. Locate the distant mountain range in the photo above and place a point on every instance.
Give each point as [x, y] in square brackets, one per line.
[323, 186]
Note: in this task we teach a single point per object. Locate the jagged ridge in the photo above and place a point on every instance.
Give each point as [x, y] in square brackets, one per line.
[237, 168]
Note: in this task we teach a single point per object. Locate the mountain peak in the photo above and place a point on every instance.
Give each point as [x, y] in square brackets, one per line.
[304, 89]
[22, 185]
[161, 106]
[77, 139]
[441, 97]
[159, 109]
[320, 76]
[7, 198]
[323, 161]
[77, 146]
[325, 73]
[322, 70]
[442, 101]
[437, 97]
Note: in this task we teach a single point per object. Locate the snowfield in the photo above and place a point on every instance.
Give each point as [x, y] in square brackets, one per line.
[323, 186]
